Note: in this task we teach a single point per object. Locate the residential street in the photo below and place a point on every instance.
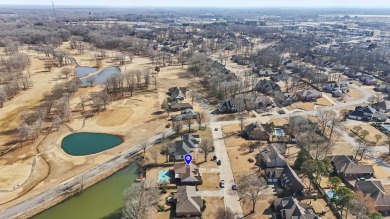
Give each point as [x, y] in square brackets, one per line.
[231, 197]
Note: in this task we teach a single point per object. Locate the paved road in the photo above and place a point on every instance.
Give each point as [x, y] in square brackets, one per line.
[57, 191]
[231, 197]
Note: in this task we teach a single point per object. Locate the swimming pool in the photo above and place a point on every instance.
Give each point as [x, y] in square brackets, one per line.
[163, 177]
[330, 194]
[279, 132]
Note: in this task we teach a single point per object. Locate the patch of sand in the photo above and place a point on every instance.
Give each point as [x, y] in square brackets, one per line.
[15, 174]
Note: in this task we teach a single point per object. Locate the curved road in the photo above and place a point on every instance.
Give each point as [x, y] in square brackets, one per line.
[57, 191]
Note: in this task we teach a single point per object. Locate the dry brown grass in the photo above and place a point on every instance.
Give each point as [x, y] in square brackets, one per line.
[307, 106]
[114, 117]
[372, 132]
[262, 209]
[212, 205]
[210, 182]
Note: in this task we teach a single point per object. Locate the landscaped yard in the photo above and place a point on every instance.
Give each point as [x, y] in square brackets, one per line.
[319, 206]
[263, 208]
[301, 105]
[371, 136]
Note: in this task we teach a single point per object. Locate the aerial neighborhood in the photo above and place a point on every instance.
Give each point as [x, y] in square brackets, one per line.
[194, 113]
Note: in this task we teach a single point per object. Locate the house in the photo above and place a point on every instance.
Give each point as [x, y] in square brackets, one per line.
[177, 93]
[366, 113]
[273, 175]
[290, 208]
[180, 148]
[267, 86]
[231, 106]
[284, 99]
[290, 181]
[380, 87]
[187, 174]
[375, 190]
[255, 131]
[271, 156]
[308, 95]
[185, 114]
[383, 106]
[342, 86]
[348, 169]
[188, 202]
[179, 106]
[368, 79]
[280, 76]
[194, 138]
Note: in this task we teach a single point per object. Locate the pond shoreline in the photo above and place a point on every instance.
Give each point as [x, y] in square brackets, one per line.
[86, 184]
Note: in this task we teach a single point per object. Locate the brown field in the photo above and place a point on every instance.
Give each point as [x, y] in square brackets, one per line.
[210, 182]
[212, 205]
[262, 210]
[372, 132]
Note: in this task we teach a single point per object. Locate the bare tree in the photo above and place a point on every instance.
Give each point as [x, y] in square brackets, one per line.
[377, 138]
[188, 121]
[154, 156]
[165, 106]
[140, 197]
[177, 127]
[56, 122]
[66, 71]
[97, 104]
[206, 148]
[361, 205]
[147, 79]
[144, 145]
[130, 81]
[201, 118]
[91, 81]
[3, 97]
[325, 117]
[225, 213]
[252, 187]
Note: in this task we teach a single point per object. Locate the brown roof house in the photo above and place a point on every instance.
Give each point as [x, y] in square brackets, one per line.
[348, 169]
[290, 181]
[187, 174]
[179, 106]
[255, 131]
[188, 202]
[290, 208]
[376, 191]
[308, 95]
[271, 156]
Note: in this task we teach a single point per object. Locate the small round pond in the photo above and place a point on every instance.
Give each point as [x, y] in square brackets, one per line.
[85, 143]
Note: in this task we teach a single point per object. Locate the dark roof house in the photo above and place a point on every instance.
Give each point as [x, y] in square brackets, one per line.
[255, 131]
[291, 182]
[376, 191]
[271, 156]
[290, 208]
[366, 113]
[348, 169]
[267, 86]
[188, 202]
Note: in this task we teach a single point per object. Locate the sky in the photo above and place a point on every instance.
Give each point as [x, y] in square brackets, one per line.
[208, 3]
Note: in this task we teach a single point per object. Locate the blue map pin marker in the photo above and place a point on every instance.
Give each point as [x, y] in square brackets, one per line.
[188, 158]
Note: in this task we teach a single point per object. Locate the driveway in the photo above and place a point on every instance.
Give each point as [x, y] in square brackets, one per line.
[231, 197]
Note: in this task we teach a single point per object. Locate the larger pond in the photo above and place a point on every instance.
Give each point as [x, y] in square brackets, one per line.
[103, 200]
[101, 77]
[85, 143]
[83, 71]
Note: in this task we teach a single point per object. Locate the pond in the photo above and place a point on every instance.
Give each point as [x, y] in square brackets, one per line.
[83, 71]
[103, 200]
[85, 143]
[101, 77]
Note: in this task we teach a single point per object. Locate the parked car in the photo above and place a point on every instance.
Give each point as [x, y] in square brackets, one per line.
[234, 187]
[216, 129]
[219, 162]
[222, 184]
